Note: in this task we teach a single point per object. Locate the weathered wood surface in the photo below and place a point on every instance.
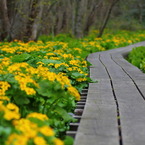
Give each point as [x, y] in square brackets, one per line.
[114, 113]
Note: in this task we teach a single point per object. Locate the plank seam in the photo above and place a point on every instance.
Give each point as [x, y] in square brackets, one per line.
[117, 105]
[129, 77]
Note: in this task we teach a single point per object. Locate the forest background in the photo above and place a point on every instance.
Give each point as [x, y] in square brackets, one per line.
[28, 19]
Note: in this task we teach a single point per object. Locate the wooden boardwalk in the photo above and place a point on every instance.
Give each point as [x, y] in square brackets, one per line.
[114, 113]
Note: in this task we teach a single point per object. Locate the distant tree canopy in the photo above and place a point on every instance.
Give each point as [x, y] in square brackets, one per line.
[27, 19]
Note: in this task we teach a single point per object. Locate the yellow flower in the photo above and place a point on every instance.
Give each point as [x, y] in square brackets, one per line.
[11, 111]
[4, 62]
[65, 56]
[49, 54]
[81, 79]
[1, 103]
[4, 98]
[16, 67]
[38, 116]
[30, 91]
[54, 58]
[78, 49]
[46, 57]
[40, 63]
[3, 87]
[51, 76]
[12, 107]
[23, 81]
[74, 92]
[74, 62]
[63, 80]
[28, 128]
[15, 139]
[8, 49]
[47, 131]
[84, 63]
[58, 142]
[9, 115]
[51, 64]
[60, 64]
[70, 69]
[129, 41]
[39, 141]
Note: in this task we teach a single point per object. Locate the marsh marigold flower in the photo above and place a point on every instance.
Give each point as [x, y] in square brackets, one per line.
[39, 116]
[3, 87]
[58, 142]
[74, 92]
[38, 140]
[16, 139]
[27, 127]
[47, 131]
[11, 111]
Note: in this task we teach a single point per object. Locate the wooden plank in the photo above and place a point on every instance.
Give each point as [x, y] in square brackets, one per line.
[116, 72]
[97, 70]
[98, 125]
[116, 87]
[135, 73]
[132, 112]
[131, 104]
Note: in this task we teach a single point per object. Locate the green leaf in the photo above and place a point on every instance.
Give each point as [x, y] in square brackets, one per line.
[89, 64]
[5, 130]
[43, 52]
[37, 121]
[44, 88]
[47, 88]
[76, 75]
[64, 114]
[10, 78]
[56, 47]
[20, 58]
[47, 61]
[21, 100]
[68, 140]
[33, 62]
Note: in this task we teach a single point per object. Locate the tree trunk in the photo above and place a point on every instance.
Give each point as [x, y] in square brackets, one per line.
[140, 13]
[107, 17]
[91, 17]
[5, 20]
[20, 20]
[37, 21]
[78, 18]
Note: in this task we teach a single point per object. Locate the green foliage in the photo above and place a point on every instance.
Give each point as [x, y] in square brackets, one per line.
[111, 39]
[68, 140]
[21, 58]
[137, 56]
[47, 77]
[48, 61]
[60, 37]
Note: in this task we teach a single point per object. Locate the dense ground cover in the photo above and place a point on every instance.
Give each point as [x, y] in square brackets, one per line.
[90, 43]
[40, 83]
[137, 57]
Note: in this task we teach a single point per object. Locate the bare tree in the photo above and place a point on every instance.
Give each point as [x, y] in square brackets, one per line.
[78, 11]
[21, 19]
[34, 21]
[91, 14]
[5, 20]
[110, 8]
[27, 19]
